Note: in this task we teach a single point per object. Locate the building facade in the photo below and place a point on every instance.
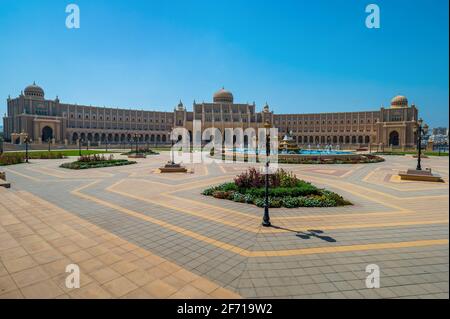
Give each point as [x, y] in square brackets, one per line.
[46, 120]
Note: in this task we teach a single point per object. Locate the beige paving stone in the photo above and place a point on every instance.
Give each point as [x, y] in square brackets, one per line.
[69, 248]
[185, 275]
[124, 267]
[13, 253]
[91, 265]
[98, 250]
[109, 258]
[42, 290]
[56, 267]
[8, 244]
[104, 275]
[18, 264]
[204, 285]
[175, 282]
[91, 291]
[7, 284]
[15, 294]
[138, 294]
[120, 286]
[140, 277]
[159, 289]
[158, 272]
[29, 276]
[189, 292]
[47, 256]
[79, 256]
[36, 247]
[3, 270]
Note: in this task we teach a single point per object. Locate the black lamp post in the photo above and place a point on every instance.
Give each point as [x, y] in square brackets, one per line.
[27, 141]
[1, 145]
[172, 158]
[136, 140]
[106, 143]
[420, 130]
[266, 217]
[79, 146]
[49, 141]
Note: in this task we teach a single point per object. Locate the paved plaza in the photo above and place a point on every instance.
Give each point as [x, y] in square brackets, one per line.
[136, 233]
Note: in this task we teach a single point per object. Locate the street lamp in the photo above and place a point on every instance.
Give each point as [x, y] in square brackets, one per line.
[136, 139]
[79, 146]
[1, 145]
[266, 217]
[27, 141]
[419, 129]
[49, 141]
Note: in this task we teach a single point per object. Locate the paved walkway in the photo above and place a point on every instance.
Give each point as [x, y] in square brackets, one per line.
[136, 233]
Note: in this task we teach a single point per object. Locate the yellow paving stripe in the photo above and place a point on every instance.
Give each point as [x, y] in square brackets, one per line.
[247, 253]
[270, 230]
[342, 249]
[23, 175]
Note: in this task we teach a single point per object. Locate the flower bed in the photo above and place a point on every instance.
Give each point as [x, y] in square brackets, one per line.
[285, 190]
[96, 161]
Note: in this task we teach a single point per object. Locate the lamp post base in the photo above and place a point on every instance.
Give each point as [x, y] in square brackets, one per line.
[266, 223]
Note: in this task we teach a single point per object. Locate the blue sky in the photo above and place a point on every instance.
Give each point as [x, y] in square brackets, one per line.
[299, 56]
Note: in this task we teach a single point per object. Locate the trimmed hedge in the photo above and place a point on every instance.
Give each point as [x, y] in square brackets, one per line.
[19, 157]
[97, 164]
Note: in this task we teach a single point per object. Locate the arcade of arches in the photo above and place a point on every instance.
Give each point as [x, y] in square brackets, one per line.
[43, 119]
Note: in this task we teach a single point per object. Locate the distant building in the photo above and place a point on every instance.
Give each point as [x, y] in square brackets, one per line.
[44, 119]
[440, 131]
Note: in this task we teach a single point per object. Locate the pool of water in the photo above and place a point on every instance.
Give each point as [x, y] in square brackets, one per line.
[323, 152]
[301, 152]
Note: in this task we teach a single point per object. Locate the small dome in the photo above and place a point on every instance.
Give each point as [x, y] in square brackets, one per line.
[399, 101]
[223, 96]
[34, 91]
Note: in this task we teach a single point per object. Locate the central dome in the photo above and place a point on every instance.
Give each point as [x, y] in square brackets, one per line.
[34, 91]
[399, 101]
[223, 96]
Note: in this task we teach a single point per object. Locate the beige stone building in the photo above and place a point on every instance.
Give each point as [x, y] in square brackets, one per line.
[43, 120]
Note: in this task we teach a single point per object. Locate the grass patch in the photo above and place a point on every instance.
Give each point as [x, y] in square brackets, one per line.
[285, 190]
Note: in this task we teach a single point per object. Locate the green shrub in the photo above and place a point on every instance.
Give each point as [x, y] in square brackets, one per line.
[95, 164]
[238, 197]
[249, 199]
[209, 191]
[259, 202]
[291, 202]
[228, 187]
[293, 193]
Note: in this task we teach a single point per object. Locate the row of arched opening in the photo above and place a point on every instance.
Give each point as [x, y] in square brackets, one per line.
[333, 139]
[162, 138]
[118, 138]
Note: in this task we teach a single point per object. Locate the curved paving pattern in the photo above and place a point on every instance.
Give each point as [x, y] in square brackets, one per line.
[310, 253]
